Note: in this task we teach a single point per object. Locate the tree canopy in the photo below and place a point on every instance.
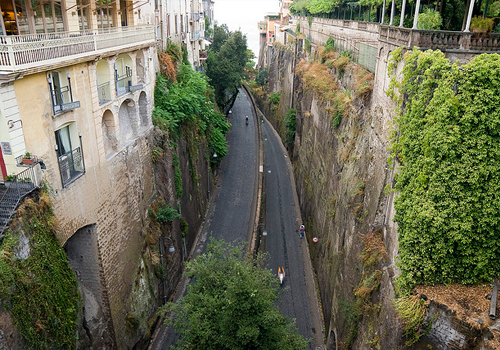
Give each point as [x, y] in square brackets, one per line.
[226, 62]
[230, 304]
[448, 149]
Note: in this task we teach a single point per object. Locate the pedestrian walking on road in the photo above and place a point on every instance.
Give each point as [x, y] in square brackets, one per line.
[302, 231]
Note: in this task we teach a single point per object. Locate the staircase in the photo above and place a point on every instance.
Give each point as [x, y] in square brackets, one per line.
[12, 192]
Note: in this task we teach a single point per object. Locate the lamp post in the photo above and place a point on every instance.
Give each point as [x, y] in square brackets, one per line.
[171, 249]
[208, 174]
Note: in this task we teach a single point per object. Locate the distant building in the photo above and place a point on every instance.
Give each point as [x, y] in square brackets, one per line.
[285, 11]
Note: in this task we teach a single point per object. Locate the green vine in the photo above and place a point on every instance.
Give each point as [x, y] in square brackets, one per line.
[448, 147]
[177, 175]
[39, 290]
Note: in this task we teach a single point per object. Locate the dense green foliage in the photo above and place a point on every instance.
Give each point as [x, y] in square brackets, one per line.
[230, 304]
[429, 20]
[41, 290]
[188, 102]
[167, 214]
[226, 62]
[448, 147]
[290, 125]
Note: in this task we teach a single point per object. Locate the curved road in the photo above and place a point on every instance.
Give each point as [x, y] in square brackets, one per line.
[282, 221]
[231, 216]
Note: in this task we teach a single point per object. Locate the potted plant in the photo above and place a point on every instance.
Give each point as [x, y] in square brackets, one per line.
[28, 159]
[8, 180]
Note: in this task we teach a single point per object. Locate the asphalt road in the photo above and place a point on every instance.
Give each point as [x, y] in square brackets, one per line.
[282, 241]
[231, 216]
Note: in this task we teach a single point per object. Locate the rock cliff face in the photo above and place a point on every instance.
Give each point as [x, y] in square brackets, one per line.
[338, 143]
[340, 155]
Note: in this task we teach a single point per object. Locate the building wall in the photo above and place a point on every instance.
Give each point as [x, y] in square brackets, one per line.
[115, 192]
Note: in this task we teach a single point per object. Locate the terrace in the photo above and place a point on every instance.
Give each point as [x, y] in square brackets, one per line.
[20, 53]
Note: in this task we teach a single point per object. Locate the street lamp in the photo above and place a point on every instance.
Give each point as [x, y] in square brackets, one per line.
[171, 249]
[208, 174]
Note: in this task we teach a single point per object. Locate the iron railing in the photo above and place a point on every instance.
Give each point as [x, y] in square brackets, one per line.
[14, 189]
[71, 166]
[123, 82]
[104, 92]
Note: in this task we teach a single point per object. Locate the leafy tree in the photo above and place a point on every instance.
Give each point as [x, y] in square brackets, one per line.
[448, 147]
[290, 125]
[209, 30]
[230, 304]
[250, 65]
[221, 34]
[225, 66]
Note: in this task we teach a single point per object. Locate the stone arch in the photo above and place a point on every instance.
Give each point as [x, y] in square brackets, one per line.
[143, 110]
[140, 63]
[83, 254]
[109, 132]
[127, 121]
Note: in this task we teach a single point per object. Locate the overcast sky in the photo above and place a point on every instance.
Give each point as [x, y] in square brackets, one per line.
[244, 15]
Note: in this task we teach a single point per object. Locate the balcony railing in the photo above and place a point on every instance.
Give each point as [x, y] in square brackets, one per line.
[441, 39]
[195, 35]
[104, 92]
[21, 52]
[195, 17]
[123, 82]
[71, 166]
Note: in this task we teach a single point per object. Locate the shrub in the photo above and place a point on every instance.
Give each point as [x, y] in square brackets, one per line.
[482, 24]
[290, 125]
[167, 214]
[429, 20]
[275, 97]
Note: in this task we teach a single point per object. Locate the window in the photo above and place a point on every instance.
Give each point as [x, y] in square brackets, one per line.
[60, 91]
[69, 154]
[83, 7]
[48, 16]
[105, 12]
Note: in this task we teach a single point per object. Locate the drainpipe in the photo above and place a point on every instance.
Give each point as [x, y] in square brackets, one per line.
[493, 302]
[392, 13]
[402, 14]
[415, 19]
[469, 16]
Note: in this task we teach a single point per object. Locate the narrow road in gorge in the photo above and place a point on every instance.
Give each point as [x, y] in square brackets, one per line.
[232, 207]
[282, 242]
[231, 216]
[235, 204]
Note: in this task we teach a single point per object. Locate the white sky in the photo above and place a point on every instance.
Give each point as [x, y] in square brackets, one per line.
[245, 15]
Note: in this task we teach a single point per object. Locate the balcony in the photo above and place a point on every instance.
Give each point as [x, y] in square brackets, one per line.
[195, 17]
[71, 166]
[195, 35]
[23, 52]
